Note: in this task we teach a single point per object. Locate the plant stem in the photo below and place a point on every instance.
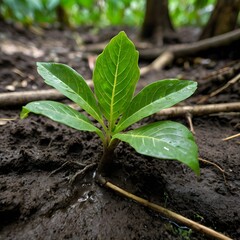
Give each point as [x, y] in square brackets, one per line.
[107, 157]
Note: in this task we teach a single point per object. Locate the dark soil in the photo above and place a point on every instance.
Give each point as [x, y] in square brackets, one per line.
[37, 205]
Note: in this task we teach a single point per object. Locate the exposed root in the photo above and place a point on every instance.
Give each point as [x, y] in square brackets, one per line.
[231, 137]
[189, 118]
[67, 163]
[165, 56]
[178, 50]
[82, 172]
[167, 213]
[212, 163]
[79, 173]
[215, 165]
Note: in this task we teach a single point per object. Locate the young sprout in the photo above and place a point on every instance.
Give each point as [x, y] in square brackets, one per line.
[115, 107]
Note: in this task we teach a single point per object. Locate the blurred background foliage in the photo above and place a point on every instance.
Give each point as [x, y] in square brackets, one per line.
[100, 13]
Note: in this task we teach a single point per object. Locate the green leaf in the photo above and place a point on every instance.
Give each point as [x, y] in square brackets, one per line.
[115, 76]
[72, 85]
[155, 97]
[61, 113]
[165, 140]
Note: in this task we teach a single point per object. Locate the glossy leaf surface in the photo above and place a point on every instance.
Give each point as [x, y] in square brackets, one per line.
[115, 76]
[165, 140]
[60, 113]
[71, 84]
[155, 97]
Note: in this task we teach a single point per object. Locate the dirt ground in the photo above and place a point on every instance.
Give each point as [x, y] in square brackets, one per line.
[37, 205]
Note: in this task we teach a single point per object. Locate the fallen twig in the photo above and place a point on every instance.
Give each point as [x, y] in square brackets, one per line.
[219, 90]
[193, 110]
[169, 214]
[4, 121]
[165, 59]
[231, 137]
[200, 109]
[21, 98]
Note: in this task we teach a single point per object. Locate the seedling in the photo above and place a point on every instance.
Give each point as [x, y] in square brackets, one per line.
[114, 106]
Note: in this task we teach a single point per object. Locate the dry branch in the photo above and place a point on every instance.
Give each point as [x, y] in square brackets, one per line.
[219, 90]
[21, 98]
[178, 49]
[165, 59]
[166, 55]
[231, 137]
[197, 110]
[200, 109]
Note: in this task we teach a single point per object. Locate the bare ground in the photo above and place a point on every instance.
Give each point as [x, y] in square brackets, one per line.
[35, 205]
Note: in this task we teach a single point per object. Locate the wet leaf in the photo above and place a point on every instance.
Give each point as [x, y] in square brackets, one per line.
[115, 76]
[155, 97]
[60, 113]
[71, 84]
[165, 140]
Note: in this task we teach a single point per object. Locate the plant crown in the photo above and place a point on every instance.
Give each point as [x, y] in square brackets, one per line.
[115, 107]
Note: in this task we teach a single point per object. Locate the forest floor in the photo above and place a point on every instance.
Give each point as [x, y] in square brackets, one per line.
[37, 205]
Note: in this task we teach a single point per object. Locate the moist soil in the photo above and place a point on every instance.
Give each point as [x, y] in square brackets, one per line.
[37, 203]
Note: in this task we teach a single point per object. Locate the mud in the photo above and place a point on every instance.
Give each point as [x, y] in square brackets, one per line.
[35, 204]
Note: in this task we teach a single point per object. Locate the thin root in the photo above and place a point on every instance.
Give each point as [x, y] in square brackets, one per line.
[82, 172]
[189, 118]
[64, 164]
[215, 165]
[231, 137]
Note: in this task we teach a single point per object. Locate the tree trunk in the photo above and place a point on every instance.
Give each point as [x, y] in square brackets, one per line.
[223, 18]
[1, 16]
[157, 26]
[62, 17]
